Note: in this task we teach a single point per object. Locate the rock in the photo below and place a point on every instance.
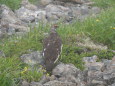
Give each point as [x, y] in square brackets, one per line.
[47, 78]
[44, 79]
[91, 64]
[95, 10]
[59, 83]
[94, 76]
[106, 64]
[97, 77]
[69, 78]
[28, 5]
[54, 13]
[35, 84]
[112, 64]
[97, 82]
[87, 42]
[25, 83]
[92, 59]
[96, 66]
[18, 28]
[9, 22]
[65, 70]
[8, 16]
[84, 10]
[68, 73]
[46, 2]
[32, 58]
[74, 1]
[112, 85]
[110, 81]
[30, 16]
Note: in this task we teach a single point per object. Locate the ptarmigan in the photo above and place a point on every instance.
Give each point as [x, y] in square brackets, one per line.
[52, 46]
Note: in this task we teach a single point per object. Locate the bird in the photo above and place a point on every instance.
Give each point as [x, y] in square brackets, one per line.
[52, 47]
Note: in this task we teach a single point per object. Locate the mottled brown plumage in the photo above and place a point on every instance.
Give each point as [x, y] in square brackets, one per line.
[52, 48]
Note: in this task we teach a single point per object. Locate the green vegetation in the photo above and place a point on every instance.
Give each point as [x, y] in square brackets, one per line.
[13, 4]
[100, 29]
[12, 70]
[16, 46]
[104, 3]
[9, 71]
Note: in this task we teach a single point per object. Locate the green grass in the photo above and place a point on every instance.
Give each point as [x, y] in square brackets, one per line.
[13, 4]
[9, 70]
[12, 71]
[100, 29]
[104, 3]
[16, 46]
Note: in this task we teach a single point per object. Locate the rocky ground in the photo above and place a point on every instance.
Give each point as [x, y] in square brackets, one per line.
[28, 14]
[17, 22]
[95, 73]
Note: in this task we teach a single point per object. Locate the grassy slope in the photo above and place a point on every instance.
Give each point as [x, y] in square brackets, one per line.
[101, 31]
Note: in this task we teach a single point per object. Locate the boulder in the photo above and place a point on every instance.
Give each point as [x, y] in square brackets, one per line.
[56, 13]
[24, 83]
[9, 23]
[46, 2]
[91, 64]
[35, 84]
[59, 83]
[63, 70]
[32, 58]
[92, 59]
[26, 4]
[30, 16]
[95, 10]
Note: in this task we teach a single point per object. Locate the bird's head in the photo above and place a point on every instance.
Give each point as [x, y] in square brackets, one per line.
[54, 27]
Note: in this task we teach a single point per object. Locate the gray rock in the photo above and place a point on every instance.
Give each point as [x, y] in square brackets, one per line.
[44, 79]
[69, 78]
[25, 83]
[112, 64]
[30, 16]
[32, 58]
[35, 84]
[7, 15]
[95, 10]
[59, 83]
[57, 13]
[84, 10]
[97, 66]
[65, 70]
[45, 2]
[112, 85]
[9, 22]
[108, 75]
[73, 1]
[106, 64]
[28, 5]
[92, 59]
[91, 64]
